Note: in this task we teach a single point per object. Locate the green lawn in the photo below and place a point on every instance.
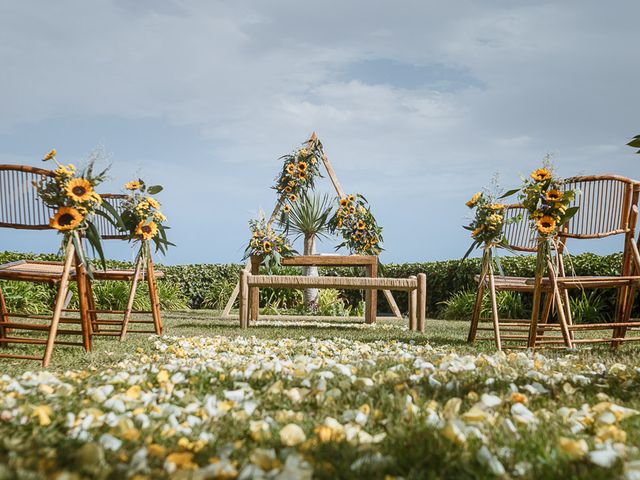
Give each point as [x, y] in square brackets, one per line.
[323, 399]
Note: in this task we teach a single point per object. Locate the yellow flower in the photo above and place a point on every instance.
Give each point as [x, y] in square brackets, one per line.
[286, 209]
[288, 189]
[133, 185]
[147, 230]
[153, 202]
[159, 216]
[44, 413]
[477, 231]
[302, 175]
[494, 219]
[361, 225]
[266, 247]
[52, 153]
[541, 174]
[573, 448]
[302, 166]
[79, 190]
[471, 203]
[65, 171]
[496, 206]
[517, 397]
[303, 152]
[65, 219]
[182, 460]
[546, 225]
[293, 197]
[291, 169]
[554, 195]
[344, 202]
[351, 198]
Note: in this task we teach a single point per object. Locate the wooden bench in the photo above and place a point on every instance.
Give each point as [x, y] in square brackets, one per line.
[415, 286]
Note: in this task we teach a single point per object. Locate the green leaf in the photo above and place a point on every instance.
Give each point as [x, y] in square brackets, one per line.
[93, 236]
[114, 214]
[154, 189]
[510, 192]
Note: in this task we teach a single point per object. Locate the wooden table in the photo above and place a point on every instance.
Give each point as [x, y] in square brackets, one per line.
[369, 262]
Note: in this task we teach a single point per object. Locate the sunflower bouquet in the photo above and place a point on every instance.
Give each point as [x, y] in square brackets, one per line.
[354, 221]
[299, 171]
[268, 244]
[71, 193]
[142, 218]
[488, 222]
[547, 202]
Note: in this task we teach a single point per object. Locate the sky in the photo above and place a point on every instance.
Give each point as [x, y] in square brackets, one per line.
[418, 103]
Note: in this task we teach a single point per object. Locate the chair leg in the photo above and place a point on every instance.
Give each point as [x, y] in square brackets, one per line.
[4, 318]
[91, 303]
[132, 295]
[85, 326]
[477, 308]
[560, 305]
[494, 309]
[154, 297]
[57, 312]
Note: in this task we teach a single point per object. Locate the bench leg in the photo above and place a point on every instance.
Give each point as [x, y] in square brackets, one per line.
[422, 301]
[413, 308]
[244, 299]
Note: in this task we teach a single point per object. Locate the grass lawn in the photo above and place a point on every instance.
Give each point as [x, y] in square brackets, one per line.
[319, 399]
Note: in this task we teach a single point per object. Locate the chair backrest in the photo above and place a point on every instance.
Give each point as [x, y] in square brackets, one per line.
[606, 206]
[519, 235]
[106, 229]
[20, 205]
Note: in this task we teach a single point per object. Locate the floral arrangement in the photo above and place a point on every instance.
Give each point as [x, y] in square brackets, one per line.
[299, 172]
[142, 218]
[356, 224]
[72, 195]
[548, 204]
[488, 222]
[268, 244]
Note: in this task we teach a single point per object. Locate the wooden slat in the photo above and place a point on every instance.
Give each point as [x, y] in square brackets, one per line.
[355, 283]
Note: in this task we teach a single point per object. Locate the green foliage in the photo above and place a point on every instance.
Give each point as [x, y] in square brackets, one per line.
[460, 305]
[635, 143]
[589, 308]
[308, 216]
[26, 297]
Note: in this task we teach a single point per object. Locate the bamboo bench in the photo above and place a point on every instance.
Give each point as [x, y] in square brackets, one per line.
[415, 286]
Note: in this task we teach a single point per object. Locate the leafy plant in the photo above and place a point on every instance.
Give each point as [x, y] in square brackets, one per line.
[460, 305]
[589, 308]
[27, 297]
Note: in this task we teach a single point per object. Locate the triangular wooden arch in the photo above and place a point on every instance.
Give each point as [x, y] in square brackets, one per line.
[338, 188]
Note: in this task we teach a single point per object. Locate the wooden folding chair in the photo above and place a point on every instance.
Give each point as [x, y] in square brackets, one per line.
[608, 207]
[521, 238]
[22, 208]
[142, 271]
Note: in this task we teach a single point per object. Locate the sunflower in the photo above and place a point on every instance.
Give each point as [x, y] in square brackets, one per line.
[554, 195]
[546, 225]
[292, 183]
[52, 153]
[351, 198]
[79, 190]
[293, 197]
[65, 219]
[352, 209]
[541, 174]
[266, 247]
[291, 169]
[302, 176]
[361, 225]
[147, 230]
[303, 153]
[302, 166]
[286, 209]
[344, 202]
[288, 189]
[153, 203]
[133, 185]
[477, 231]
[471, 203]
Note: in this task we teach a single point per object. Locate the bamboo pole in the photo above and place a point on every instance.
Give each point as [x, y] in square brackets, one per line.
[422, 301]
[494, 308]
[132, 295]
[477, 308]
[413, 304]
[244, 299]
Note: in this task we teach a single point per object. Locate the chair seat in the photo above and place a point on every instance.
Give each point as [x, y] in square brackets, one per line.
[38, 271]
[526, 284]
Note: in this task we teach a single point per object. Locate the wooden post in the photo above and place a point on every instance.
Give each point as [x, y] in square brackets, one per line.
[132, 295]
[413, 305]
[4, 318]
[559, 305]
[537, 292]
[371, 296]
[153, 296]
[254, 292]
[244, 299]
[422, 301]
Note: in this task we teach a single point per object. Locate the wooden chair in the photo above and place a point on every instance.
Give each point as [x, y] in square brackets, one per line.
[520, 238]
[142, 271]
[608, 207]
[22, 208]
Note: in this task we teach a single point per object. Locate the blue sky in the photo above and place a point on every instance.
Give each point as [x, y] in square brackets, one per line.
[418, 103]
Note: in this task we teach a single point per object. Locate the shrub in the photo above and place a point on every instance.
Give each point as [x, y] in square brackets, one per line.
[459, 306]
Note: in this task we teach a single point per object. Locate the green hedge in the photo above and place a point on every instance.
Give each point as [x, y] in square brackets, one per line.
[208, 285]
